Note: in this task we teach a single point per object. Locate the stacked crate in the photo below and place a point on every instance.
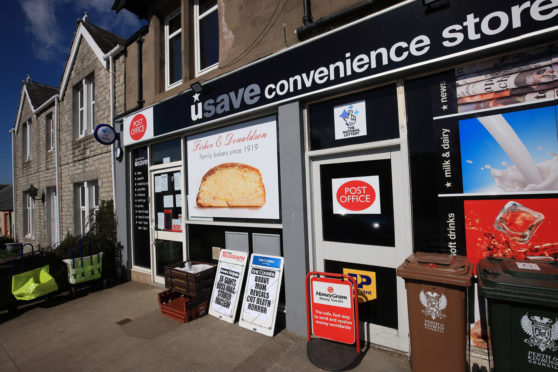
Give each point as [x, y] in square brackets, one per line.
[188, 293]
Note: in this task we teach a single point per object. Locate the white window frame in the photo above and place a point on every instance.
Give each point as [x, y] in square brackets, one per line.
[50, 132]
[85, 94]
[88, 204]
[197, 19]
[27, 140]
[29, 207]
[168, 37]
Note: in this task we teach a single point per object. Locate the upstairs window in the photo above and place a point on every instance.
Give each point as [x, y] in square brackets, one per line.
[206, 31]
[26, 141]
[49, 127]
[173, 50]
[84, 107]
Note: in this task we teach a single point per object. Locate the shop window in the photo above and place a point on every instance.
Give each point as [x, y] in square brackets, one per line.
[173, 50]
[26, 141]
[206, 35]
[87, 198]
[375, 228]
[28, 207]
[359, 118]
[166, 152]
[49, 127]
[84, 107]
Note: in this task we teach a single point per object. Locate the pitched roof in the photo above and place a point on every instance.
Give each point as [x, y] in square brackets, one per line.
[138, 7]
[105, 40]
[101, 41]
[39, 93]
[6, 199]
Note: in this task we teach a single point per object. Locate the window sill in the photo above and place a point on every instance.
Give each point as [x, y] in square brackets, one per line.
[206, 70]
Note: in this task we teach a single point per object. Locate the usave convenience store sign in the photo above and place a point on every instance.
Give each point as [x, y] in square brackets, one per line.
[441, 36]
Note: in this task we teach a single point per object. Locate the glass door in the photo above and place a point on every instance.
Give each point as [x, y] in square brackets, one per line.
[168, 243]
[359, 217]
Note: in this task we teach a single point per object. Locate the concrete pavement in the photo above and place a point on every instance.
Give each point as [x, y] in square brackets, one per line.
[121, 328]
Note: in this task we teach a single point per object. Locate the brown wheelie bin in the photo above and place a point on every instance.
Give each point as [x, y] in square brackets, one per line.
[436, 297]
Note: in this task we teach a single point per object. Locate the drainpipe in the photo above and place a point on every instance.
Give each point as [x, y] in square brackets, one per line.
[307, 18]
[12, 132]
[56, 156]
[110, 56]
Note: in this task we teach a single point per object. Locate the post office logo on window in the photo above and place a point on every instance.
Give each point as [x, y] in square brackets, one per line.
[350, 120]
[360, 195]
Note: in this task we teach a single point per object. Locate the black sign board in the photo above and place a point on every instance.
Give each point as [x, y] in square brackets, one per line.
[403, 39]
[140, 207]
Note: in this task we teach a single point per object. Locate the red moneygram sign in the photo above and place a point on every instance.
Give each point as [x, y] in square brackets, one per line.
[332, 309]
[356, 195]
[138, 127]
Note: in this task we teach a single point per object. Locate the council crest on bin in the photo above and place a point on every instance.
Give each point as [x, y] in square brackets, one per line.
[434, 303]
[542, 331]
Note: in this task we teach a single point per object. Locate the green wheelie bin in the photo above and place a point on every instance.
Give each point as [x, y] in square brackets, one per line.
[522, 308]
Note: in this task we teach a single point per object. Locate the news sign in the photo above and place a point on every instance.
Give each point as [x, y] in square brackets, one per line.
[261, 294]
[227, 285]
[332, 310]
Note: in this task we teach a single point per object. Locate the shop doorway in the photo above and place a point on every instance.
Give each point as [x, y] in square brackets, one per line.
[168, 239]
[360, 219]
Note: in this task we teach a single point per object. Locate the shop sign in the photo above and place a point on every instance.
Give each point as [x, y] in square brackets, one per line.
[138, 127]
[366, 283]
[360, 195]
[261, 294]
[233, 171]
[332, 307]
[350, 120]
[227, 285]
[441, 36]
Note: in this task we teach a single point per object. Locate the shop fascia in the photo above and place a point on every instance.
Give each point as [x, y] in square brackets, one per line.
[482, 25]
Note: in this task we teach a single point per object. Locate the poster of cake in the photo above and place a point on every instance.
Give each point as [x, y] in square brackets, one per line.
[233, 171]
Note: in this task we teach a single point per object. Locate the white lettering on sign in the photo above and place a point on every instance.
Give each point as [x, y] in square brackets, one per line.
[359, 195]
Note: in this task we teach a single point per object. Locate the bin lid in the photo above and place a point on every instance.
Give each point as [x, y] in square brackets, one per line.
[438, 268]
[532, 282]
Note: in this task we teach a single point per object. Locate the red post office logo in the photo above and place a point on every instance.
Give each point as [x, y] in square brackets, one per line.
[138, 127]
[356, 195]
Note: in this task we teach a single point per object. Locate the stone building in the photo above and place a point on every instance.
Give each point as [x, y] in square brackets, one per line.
[54, 149]
[363, 123]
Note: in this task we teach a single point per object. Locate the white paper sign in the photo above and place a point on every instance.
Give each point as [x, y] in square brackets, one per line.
[160, 221]
[178, 200]
[161, 183]
[168, 201]
[177, 181]
[261, 294]
[227, 285]
[247, 147]
[350, 120]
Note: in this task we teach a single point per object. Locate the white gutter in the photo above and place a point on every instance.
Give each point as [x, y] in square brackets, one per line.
[12, 132]
[111, 90]
[58, 193]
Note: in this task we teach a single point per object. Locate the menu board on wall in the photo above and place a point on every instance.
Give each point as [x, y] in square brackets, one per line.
[233, 171]
[140, 207]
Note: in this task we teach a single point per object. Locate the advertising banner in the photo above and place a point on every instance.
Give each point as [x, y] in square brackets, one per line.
[492, 152]
[138, 127]
[261, 294]
[140, 207]
[233, 171]
[332, 309]
[228, 283]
